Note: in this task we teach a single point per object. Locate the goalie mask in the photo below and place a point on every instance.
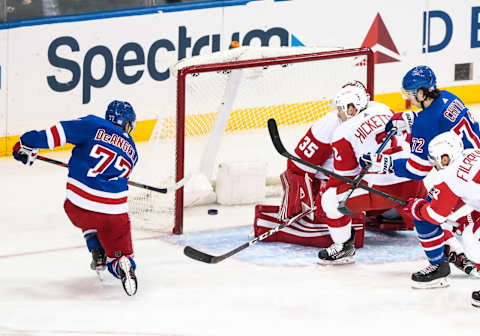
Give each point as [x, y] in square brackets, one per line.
[445, 148]
[352, 93]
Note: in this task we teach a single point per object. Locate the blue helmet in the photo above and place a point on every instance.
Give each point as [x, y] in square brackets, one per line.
[120, 112]
[419, 77]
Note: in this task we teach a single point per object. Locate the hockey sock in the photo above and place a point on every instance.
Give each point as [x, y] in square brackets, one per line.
[91, 238]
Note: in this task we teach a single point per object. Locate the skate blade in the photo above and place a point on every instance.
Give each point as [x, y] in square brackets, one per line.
[438, 283]
[342, 261]
[100, 275]
[129, 283]
[474, 274]
[475, 303]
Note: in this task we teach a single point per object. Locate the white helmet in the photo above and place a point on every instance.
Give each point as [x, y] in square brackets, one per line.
[447, 143]
[352, 93]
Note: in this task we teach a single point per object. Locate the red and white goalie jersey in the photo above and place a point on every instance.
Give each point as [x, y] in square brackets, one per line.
[315, 146]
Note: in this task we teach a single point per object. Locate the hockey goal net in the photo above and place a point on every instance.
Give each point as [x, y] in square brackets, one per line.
[219, 114]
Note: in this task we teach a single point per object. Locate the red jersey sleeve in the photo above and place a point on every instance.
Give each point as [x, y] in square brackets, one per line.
[443, 202]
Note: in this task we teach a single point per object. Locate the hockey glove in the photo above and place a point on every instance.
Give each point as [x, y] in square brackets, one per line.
[402, 121]
[413, 208]
[377, 163]
[24, 154]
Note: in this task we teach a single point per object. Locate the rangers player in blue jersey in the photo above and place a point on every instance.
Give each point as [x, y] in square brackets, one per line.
[98, 171]
[441, 111]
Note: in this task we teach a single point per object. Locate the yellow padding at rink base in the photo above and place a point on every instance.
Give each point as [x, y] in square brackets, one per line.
[252, 118]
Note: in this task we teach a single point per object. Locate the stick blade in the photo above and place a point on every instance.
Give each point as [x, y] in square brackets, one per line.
[199, 255]
[342, 207]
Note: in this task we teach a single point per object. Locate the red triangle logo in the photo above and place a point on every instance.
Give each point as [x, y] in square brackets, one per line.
[379, 40]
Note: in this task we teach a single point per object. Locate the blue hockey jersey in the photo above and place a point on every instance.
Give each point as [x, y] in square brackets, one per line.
[101, 162]
[446, 113]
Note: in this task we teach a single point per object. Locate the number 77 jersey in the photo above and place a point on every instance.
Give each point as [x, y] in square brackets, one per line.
[446, 113]
[101, 162]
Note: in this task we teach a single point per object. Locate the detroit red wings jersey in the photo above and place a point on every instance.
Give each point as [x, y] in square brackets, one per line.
[364, 133]
[315, 146]
[459, 181]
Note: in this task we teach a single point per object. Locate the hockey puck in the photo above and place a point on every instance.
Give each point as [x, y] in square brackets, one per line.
[212, 211]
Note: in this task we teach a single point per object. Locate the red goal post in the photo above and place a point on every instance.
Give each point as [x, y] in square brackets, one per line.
[344, 65]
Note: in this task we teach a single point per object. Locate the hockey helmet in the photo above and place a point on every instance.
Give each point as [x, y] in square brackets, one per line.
[445, 144]
[419, 77]
[352, 93]
[120, 112]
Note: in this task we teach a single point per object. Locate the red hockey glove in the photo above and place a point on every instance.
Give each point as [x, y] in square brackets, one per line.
[413, 208]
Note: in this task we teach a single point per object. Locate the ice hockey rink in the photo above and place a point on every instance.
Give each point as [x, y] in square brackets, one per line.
[48, 289]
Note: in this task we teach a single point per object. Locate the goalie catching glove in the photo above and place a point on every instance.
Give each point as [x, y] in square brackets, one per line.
[401, 121]
[377, 163]
[24, 154]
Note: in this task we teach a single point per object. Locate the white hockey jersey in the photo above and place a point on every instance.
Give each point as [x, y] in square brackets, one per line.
[458, 181]
[364, 133]
[315, 146]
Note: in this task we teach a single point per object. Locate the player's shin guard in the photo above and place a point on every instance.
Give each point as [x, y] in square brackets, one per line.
[123, 268]
[432, 239]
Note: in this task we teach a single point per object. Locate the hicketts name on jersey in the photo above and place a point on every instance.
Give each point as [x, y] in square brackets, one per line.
[371, 125]
[467, 163]
[117, 141]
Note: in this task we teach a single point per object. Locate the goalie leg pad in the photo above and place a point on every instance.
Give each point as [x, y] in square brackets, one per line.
[305, 232]
[298, 191]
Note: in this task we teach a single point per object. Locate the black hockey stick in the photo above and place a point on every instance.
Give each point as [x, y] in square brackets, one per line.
[342, 207]
[135, 184]
[277, 142]
[210, 259]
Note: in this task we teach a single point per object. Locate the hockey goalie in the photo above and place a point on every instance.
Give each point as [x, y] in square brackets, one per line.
[335, 142]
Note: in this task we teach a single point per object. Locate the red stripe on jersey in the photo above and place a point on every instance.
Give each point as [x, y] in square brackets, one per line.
[419, 166]
[339, 222]
[56, 136]
[93, 198]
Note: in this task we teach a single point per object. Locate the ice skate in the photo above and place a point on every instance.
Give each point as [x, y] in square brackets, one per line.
[338, 254]
[464, 264]
[476, 299]
[99, 262]
[127, 275]
[432, 276]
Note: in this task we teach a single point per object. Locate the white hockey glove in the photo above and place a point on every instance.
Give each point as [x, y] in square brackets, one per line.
[402, 121]
[377, 163]
[24, 154]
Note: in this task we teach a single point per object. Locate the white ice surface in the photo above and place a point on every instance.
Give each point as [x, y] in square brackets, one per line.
[47, 288]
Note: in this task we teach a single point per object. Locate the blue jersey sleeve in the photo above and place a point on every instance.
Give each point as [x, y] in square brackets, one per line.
[400, 170]
[73, 131]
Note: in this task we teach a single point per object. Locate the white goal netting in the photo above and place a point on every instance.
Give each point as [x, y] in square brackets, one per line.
[220, 114]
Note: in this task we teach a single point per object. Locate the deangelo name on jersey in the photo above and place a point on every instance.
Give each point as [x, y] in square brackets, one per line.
[117, 141]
